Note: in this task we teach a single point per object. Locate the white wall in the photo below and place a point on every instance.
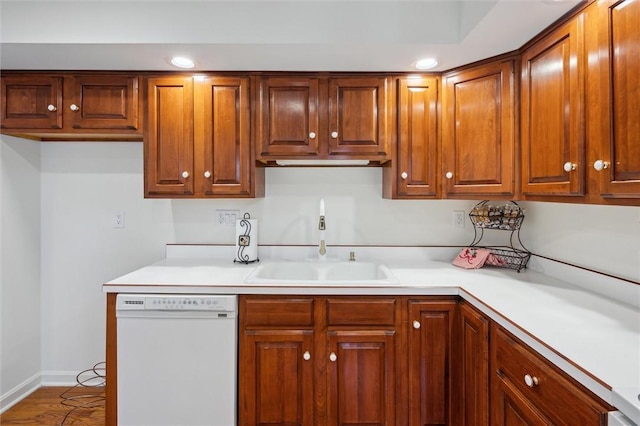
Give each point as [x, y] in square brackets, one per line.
[84, 184]
[20, 350]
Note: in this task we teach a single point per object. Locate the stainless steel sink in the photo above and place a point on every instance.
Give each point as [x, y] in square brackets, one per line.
[321, 272]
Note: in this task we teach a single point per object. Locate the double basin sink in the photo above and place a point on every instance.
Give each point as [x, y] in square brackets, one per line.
[321, 272]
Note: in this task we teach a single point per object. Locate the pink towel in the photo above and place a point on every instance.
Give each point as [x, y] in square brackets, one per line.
[471, 258]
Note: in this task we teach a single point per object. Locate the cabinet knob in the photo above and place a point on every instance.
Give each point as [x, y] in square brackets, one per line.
[185, 174]
[207, 174]
[52, 108]
[333, 357]
[74, 107]
[404, 175]
[531, 381]
[334, 135]
[448, 175]
[600, 165]
[416, 324]
[312, 135]
[306, 356]
[569, 166]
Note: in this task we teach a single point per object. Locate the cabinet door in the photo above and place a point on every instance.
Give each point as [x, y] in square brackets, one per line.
[287, 117]
[552, 123]
[362, 377]
[358, 117]
[510, 408]
[614, 95]
[225, 167]
[276, 378]
[104, 102]
[31, 102]
[417, 144]
[430, 357]
[474, 367]
[478, 140]
[169, 137]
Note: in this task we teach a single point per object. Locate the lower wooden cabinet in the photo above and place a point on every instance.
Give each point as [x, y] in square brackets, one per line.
[529, 390]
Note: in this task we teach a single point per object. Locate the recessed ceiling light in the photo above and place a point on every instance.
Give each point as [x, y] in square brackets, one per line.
[182, 62]
[426, 63]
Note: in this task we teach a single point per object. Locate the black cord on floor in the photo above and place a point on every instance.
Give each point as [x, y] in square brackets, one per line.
[91, 378]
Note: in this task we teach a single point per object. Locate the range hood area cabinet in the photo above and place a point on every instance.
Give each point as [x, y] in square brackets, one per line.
[198, 138]
[60, 106]
[323, 117]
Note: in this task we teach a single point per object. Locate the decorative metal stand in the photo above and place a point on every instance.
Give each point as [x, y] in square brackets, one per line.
[244, 241]
[507, 217]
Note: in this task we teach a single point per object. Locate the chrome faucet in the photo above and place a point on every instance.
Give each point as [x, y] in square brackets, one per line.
[322, 225]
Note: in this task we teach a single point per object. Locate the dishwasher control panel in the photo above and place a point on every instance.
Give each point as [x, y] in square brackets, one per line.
[176, 302]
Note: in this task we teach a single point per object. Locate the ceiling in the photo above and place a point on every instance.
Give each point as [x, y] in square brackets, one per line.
[279, 35]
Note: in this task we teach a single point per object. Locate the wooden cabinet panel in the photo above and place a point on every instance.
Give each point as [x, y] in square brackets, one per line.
[414, 171]
[613, 97]
[104, 102]
[274, 312]
[226, 143]
[169, 141]
[276, 379]
[430, 355]
[552, 121]
[361, 312]
[287, 117]
[550, 391]
[510, 408]
[478, 141]
[362, 373]
[473, 367]
[358, 117]
[31, 102]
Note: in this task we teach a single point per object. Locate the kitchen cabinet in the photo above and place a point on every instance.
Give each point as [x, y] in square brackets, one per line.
[413, 171]
[431, 355]
[613, 95]
[552, 114]
[320, 117]
[56, 106]
[198, 138]
[314, 361]
[478, 131]
[528, 389]
[472, 371]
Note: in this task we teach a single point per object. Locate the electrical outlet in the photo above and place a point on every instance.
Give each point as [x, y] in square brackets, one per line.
[227, 217]
[117, 221]
[458, 219]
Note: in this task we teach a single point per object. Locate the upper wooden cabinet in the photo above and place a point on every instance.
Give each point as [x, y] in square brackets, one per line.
[552, 114]
[302, 117]
[613, 96]
[413, 171]
[198, 140]
[63, 106]
[478, 132]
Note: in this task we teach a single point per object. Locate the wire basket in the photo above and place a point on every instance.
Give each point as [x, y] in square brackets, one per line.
[507, 217]
[507, 257]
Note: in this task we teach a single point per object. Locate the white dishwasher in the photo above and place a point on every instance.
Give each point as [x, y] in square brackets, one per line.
[177, 359]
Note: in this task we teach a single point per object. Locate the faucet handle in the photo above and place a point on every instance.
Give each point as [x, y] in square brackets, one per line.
[322, 225]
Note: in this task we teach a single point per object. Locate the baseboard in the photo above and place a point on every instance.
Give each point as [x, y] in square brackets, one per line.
[59, 378]
[20, 392]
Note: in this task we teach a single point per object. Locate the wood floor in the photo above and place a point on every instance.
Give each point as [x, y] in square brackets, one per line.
[58, 406]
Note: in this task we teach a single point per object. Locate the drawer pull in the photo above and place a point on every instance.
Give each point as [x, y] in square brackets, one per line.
[416, 324]
[530, 381]
[306, 356]
[333, 357]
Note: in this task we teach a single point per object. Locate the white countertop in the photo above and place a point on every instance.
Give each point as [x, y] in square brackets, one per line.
[593, 338]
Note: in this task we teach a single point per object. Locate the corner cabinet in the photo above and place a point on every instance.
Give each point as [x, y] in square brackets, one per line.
[613, 95]
[413, 171]
[552, 114]
[198, 138]
[527, 389]
[57, 106]
[478, 132]
[319, 117]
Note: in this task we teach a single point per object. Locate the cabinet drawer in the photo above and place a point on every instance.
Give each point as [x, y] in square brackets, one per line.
[552, 391]
[345, 311]
[272, 312]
